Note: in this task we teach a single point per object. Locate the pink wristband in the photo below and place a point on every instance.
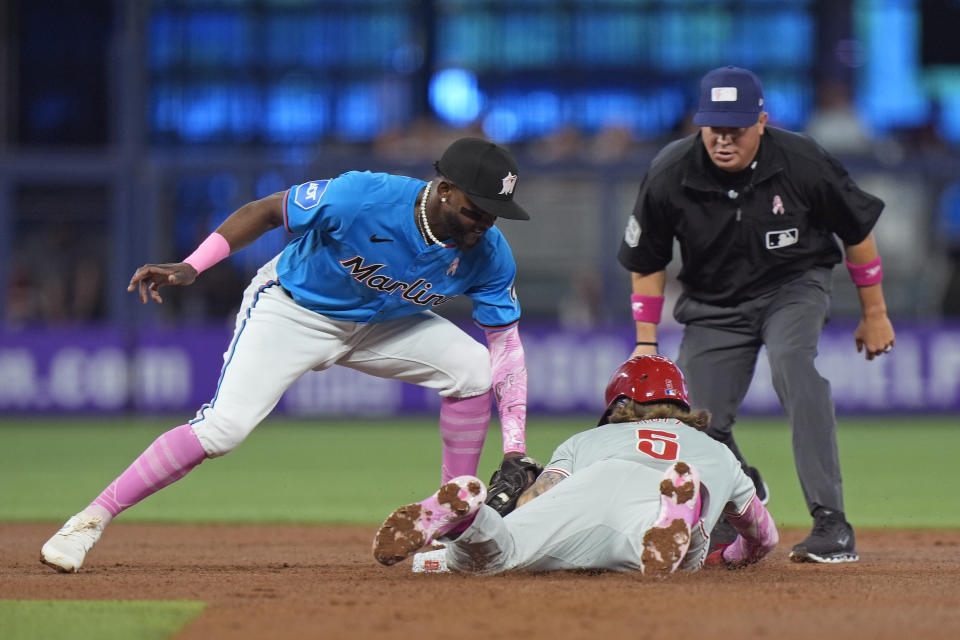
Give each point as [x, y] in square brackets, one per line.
[864, 275]
[211, 251]
[646, 308]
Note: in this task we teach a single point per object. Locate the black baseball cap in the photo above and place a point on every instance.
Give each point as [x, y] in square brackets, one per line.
[729, 97]
[486, 172]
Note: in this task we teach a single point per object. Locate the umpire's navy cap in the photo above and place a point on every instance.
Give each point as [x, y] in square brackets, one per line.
[486, 172]
[729, 97]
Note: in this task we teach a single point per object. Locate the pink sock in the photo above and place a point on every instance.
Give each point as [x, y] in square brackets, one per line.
[463, 427]
[171, 456]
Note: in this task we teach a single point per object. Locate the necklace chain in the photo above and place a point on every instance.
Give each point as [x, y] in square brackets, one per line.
[423, 215]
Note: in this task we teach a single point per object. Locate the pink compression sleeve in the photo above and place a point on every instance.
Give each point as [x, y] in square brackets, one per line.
[211, 251]
[758, 534]
[509, 387]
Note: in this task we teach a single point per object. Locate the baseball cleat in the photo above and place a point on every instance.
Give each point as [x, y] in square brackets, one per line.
[411, 528]
[68, 547]
[667, 541]
[831, 541]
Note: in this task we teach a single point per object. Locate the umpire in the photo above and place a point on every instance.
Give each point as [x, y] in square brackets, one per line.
[755, 210]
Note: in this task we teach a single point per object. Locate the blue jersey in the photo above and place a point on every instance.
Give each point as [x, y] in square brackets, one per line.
[361, 258]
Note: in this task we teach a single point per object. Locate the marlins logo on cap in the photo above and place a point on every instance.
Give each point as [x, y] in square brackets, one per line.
[509, 182]
[486, 172]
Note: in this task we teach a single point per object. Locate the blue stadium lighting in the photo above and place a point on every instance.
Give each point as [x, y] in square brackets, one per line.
[358, 113]
[950, 118]
[203, 116]
[501, 124]
[295, 114]
[455, 97]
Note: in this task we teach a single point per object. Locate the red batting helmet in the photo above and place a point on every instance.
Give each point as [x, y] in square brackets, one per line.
[648, 379]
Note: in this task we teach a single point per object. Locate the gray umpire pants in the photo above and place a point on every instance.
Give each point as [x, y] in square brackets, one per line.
[718, 354]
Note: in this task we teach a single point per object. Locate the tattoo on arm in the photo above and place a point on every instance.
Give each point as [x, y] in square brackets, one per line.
[546, 481]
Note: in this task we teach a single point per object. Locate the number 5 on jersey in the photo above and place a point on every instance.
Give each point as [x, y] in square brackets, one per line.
[658, 444]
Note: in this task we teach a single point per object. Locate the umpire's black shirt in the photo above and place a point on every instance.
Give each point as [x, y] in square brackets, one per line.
[743, 234]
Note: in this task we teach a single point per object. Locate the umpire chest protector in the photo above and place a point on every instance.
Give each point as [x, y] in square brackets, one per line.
[742, 235]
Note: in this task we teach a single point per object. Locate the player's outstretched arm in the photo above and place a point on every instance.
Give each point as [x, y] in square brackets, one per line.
[546, 481]
[757, 537]
[509, 373]
[150, 277]
[646, 303]
[252, 220]
[874, 335]
[245, 225]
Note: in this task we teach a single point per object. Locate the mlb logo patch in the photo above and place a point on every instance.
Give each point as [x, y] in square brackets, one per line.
[723, 94]
[783, 238]
[308, 195]
[669, 392]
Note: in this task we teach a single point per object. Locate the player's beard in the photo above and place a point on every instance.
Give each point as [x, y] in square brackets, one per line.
[462, 235]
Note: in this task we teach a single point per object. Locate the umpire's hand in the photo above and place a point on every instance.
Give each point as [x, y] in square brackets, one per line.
[875, 334]
[150, 277]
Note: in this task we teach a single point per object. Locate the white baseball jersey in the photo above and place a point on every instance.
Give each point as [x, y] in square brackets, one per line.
[596, 517]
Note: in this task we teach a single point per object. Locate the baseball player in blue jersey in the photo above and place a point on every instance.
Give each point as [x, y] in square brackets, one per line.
[639, 492]
[374, 256]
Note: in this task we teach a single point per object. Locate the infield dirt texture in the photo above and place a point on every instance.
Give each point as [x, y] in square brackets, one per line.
[321, 582]
[275, 567]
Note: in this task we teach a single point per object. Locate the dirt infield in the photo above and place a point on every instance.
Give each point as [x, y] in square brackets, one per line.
[313, 581]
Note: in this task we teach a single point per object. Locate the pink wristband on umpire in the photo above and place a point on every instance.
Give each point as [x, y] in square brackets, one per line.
[646, 308]
[864, 275]
[211, 251]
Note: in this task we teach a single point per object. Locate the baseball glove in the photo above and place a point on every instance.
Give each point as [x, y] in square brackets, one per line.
[513, 477]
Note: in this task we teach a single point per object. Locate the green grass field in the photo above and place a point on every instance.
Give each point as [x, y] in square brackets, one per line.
[103, 620]
[357, 471]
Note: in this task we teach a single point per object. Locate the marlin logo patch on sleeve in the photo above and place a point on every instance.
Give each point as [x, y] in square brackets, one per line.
[308, 194]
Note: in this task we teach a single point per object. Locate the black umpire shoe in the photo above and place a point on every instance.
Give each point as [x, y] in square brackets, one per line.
[723, 532]
[831, 540]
